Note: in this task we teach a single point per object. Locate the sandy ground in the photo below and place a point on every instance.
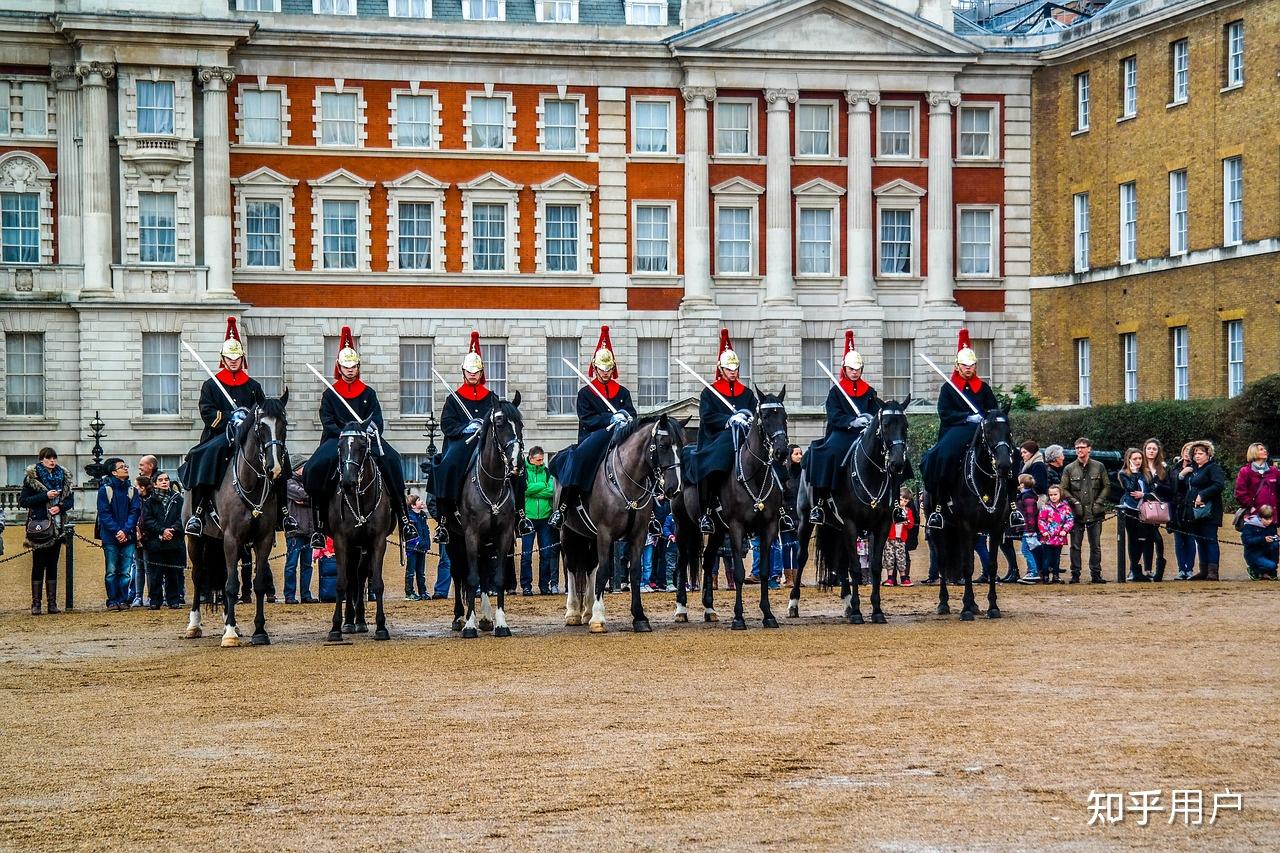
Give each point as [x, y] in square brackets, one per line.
[923, 733]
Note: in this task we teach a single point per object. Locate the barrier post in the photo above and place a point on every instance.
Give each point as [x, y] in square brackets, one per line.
[70, 588]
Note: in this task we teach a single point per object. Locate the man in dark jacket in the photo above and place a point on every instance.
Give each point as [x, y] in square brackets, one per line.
[461, 417]
[118, 509]
[164, 543]
[708, 464]
[829, 456]
[1084, 485]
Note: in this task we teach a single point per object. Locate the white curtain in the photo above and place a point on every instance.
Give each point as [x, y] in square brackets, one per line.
[155, 107]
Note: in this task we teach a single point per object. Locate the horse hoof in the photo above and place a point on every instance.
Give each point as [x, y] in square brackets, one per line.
[382, 634]
[994, 613]
[966, 616]
[457, 624]
[710, 617]
[230, 642]
[856, 619]
[682, 617]
[573, 620]
[739, 624]
[770, 622]
[362, 627]
[502, 631]
[943, 610]
[193, 634]
[878, 618]
[641, 626]
[335, 636]
[598, 628]
[348, 628]
[485, 624]
[793, 611]
[470, 633]
[260, 640]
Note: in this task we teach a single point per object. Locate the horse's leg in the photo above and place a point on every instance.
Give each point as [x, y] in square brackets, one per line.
[639, 621]
[993, 612]
[262, 582]
[378, 588]
[604, 571]
[766, 554]
[230, 590]
[505, 546]
[348, 577]
[793, 602]
[739, 575]
[492, 573]
[851, 575]
[472, 584]
[359, 595]
[588, 595]
[573, 592]
[945, 560]
[970, 606]
[879, 535]
[684, 552]
[197, 571]
[710, 556]
[457, 558]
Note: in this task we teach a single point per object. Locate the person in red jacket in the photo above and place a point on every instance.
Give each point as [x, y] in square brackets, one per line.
[895, 548]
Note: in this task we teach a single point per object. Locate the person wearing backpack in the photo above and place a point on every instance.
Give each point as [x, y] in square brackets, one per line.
[47, 495]
[119, 507]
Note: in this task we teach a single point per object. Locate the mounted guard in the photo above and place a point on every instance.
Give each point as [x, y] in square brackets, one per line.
[829, 455]
[319, 474]
[575, 467]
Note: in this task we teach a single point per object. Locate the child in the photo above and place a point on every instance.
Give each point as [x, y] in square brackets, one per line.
[1055, 522]
[328, 565]
[1029, 504]
[895, 549]
[1261, 544]
[415, 567]
[864, 561]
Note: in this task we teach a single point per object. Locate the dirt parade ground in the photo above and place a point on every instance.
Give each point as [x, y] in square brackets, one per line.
[920, 734]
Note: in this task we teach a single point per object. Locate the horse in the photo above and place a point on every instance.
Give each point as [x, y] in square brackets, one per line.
[865, 500]
[980, 505]
[361, 513]
[643, 456]
[247, 514]
[484, 534]
[750, 502]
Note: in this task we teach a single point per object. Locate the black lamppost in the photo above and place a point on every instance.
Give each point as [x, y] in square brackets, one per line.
[433, 427]
[97, 433]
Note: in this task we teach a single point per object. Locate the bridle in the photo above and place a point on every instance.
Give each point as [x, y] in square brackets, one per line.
[856, 478]
[256, 498]
[771, 478]
[347, 442]
[972, 467]
[656, 475]
[507, 452]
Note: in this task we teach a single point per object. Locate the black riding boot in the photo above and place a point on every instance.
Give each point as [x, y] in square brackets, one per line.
[934, 517]
[445, 508]
[821, 497]
[568, 498]
[288, 523]
[317, 521]
[195, 525]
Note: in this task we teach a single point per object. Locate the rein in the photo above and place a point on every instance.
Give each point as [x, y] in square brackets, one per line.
[508, 493]
[652, 479]
[255, 504]
[857, 478]
[972, 468]
[374, 482]
[771, 482]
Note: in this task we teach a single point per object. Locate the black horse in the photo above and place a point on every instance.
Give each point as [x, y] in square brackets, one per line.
[247, 515]
[643, 458]
[361, 515]
[483, 533]
[865, 499]
[978, 502]
[750, 502]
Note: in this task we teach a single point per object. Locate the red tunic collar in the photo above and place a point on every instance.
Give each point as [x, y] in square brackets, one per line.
[473, 393]
[975, 384]
[603, 388]
[232, 379]
[348, 390]
[854, 389]
[737, 389]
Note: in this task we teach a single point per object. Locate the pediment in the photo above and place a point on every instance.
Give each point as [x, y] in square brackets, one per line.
[418, 180]
[564, 183]
[491, 181]
[737, 186]
[818, 187]
[899, 188]
[262, 176]
[826, 27]
[341, 178]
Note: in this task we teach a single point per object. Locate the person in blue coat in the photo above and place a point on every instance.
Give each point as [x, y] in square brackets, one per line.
[829, 456]
[708, 464]
[575, 467]
[957, 423]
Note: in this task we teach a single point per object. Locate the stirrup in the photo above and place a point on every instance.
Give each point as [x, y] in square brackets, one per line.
[289, 523]
[524, 526]
[705, 524]
[194, 525]
[935, 520]
[817, 515]
[441, 536]
[655, 528]
[786, 523]
[556, 521]
[1017, 520]
[317, 539]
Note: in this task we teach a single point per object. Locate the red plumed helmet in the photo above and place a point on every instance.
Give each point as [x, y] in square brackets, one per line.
[964, 350]
[347, 355]
[232, 346]
[604, 359]
[852, 359]
[472, 362]
[728, 359]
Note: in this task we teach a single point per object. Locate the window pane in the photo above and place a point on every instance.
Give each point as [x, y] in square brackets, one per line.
[160, 378]
[975, 132]
[261, 117]
[733, 240]
[653, 372]
[1082, 231]
[155, 107]
[24, 373]
[1084, 371]
[489, 237]
[1181, 370]
[20, 227]
[897, 368]
[1235, 53]
[488, 122]
[409, 8]
[895, 131]
[1233, 200]
[1128, 223]
[158, 238]
[415, 378]
[1177, 212]
[560, 125]
[562, 237]
[733, 128]
[266, 356]
[813, 122]
[339, 234]
[975, 242]
[1235, 357]
[338, 118]
[562, 384]
[815, 241]
[895, 242]
[35, 109]
[262, 233]
[413, 120]
[495, 367]
[1082, 101]
[652, 239]
[652, 119]
[814, 384]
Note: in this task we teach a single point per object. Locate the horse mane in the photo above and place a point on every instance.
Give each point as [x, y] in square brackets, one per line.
[624, 432]
[273, 408]
[509, 409]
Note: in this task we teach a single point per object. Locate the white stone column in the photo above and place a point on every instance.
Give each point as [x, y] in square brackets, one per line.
[68, 117]
[941, 280]
[697, 219]
[216, 145]
[95, 174]
[777, 198]
[860, 232]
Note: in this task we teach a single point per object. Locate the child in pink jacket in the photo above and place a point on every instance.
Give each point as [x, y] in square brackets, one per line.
[1055, 524]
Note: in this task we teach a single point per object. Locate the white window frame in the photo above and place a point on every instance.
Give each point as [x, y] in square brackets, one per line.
[496, 379]
[1128, 222]
[751, 128]
[29, 357]
[273, 383]
[818, 194]
[1234, 334]
[993, 246]
[138, 83]
[1084, 371]
[580, 146]
[814, 384]
[671, 126]
[1233, 33]
[264, 184]
[670, 271]
[391, 11]
[1128, 87]
[1080, 205]
[415, 188]
[433, 119]
[1233, 201]
[541, 11]
[176, 374]
[898, 195]
[1180, 348]
[22, 172]
[888, 377]
[341, 185]
[1129, 365]
[564, 190]
[428, 379]
[162, 193]
[913, 144]
[12, 87]
[993, 130]
[833, 135]
[633, 19]
[570, 348]
[1179, 216]
[490, 188]
[1180, 71]
[738, 193]
[509, 119]
[317, 4]
[362, 111]
[752, 214]
[1082, 101]
[263, 86]
[643, 399]
[467, 10]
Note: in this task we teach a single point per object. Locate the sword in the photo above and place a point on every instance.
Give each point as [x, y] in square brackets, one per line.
[221, 387]
[591, 385]
[847, 398]
[456, 399]
[946, 378]
[343, 400]
[707, 384]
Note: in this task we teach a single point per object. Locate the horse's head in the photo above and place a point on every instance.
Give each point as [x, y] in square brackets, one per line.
[891, 427]
[771, 420]
[664, 454]
[354, 446]
[996, 437]
[507, 432]
[264, 434]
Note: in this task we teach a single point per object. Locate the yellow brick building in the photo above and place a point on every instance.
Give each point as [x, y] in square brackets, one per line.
[1156, 203]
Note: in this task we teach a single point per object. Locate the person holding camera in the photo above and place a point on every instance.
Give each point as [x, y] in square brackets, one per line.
[47, 495]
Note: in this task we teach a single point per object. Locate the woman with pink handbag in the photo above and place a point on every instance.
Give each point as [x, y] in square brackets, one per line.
[1136, 489]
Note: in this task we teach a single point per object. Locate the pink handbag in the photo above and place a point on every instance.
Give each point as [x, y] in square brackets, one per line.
[1153, 512]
